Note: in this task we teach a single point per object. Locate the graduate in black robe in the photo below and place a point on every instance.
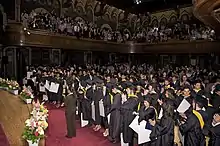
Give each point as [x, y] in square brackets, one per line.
[127, 109]
[98, 95]
[215, 130]
[114, 125]
[163, 131]
[147, 112]
[191, 129]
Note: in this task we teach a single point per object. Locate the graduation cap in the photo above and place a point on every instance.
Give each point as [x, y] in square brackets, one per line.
[201, 101]
[130, 85]
[217, 87]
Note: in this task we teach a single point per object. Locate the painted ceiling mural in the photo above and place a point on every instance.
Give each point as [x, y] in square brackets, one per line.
[95, 11]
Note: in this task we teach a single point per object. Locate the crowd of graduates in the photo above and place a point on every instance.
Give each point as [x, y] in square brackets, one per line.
[154, 94]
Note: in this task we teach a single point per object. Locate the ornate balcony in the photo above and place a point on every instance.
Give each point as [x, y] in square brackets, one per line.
[208, 12]
[16, 35]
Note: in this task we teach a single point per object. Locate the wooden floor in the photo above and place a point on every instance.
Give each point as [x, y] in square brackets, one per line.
[13, 113]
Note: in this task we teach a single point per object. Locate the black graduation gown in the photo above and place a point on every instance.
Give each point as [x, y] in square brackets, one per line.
[86, 104]
[127, 117]
[98, 95]
[215, 100]
[163, 133]
[70, 113]
[192, 132]
[114, 126]
[215, 136]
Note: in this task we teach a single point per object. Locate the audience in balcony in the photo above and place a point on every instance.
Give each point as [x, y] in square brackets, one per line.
[82, 29]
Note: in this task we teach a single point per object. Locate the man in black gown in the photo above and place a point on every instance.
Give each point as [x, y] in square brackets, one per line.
[70, 112]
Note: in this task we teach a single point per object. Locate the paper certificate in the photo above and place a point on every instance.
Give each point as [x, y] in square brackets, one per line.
[93, 110]
[29, 74]
[83, 122]
[54, 87]
[42, 88]
[184, 105]
[143, 134]
[47, 85]
[101, 108]
[122, 141]
[161, 113]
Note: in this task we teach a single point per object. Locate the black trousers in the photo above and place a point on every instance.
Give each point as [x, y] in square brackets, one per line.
[70, 122]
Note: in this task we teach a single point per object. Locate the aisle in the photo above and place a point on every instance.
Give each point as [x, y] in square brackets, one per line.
[3, 138]
[57, 131]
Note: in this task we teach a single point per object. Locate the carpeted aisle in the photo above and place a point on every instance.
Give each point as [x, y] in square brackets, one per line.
[57, 131]
[3, 138]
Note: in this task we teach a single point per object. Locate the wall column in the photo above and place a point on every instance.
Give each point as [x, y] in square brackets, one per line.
[10, 67]
[56, 56]
[17, 10]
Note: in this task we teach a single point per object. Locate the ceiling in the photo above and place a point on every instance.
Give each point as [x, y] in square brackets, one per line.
[146, 5]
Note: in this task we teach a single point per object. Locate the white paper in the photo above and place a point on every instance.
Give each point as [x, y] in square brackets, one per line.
[83, 122]
[161, 113]
[45, 97]
[29, 74]
[24, 81]
[34, 80]
[101, 108]
[184, 105]
[54, 87]
[93, 110]
[42, 88]
[47, 85]
[122, 141]
[143, 134]
[134, 124]
[108, 117]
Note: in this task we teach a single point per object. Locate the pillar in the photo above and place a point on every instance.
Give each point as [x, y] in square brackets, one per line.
[55, 56]
[88, 57]
[17, 10]
[10, 69]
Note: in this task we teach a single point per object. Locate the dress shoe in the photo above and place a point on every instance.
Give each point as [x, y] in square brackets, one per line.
[68, 136]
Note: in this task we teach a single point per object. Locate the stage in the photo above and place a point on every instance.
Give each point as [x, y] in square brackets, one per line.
[14, 112]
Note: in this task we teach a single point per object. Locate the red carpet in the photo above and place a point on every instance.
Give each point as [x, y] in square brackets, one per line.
[57, 131]
[3, 138]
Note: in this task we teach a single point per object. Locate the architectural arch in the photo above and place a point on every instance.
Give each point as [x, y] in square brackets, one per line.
[154, 23]
[40, 10]
[163, 21]
[184, 18]
[80, 7]
[173, 19]
[114, 14]
[106, 26]
[121, 15]
[79, 19]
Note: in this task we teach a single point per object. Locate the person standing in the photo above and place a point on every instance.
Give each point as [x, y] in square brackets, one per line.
[70, 111]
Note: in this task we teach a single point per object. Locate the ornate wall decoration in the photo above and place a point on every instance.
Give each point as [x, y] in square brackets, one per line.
[107, 13]
[184, 18]
[97, 7]
[121, 15]
[163, 22]
[173, 19]
[80, 7]
[154, 22]
[114, 14]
